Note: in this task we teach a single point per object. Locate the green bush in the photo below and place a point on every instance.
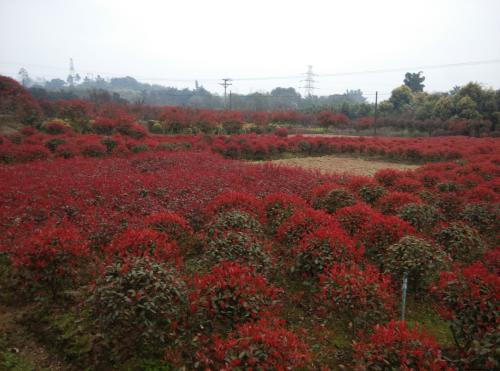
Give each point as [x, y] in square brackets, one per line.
[422, 217]
[421, 259]
[461, 241]
[139, 302]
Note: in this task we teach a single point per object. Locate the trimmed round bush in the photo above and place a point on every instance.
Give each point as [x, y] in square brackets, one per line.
[470, 302]
[300, 223]
[370, 193]
[233, 200]
[353, 218]
[263, 345]
[364, 296]
[484, 217]
[279, 206]
[332, 199]
[461, 241]
[381, 232]
[50, 256]
[231, 294]
[239, 247]
[422, 217]
[421, 259]
[141, 242]
[233, 220]
[139, 302]
[396, 347]
[172, 224]
[322, 248]
[391, 202]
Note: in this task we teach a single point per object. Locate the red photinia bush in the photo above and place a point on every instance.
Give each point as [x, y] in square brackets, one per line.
[353, 218]
[462, 242]
[364, 296]
[14, 99]
[395, 346]
[233, 200]
[387, 177]
[172, 224]
[481, 194]
[381, 232]
[230, 294]
[262, 345]
[233, 220]
[279, 206]
[239, 247]
[56, 126]
[491, 260]
[371, 192]
[104, 125]
[50, 255]
[139, 302]
[281, 132]
[392, 201]
[484, 217]
[322, 248]
[300, 223]
[143, 242]
[331, 197]
[422, 260]
[421, 216]
[407, 184]
[470, 300]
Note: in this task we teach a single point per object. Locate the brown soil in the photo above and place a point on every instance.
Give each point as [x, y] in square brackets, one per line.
[337, 164]
[18, 340]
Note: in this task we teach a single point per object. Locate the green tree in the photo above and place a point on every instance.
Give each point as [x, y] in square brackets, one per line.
[414, 81]
[401, 98]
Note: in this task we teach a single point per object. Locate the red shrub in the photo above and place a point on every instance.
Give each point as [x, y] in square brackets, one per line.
[263, 345]
[331, 198]
[469, 299]
[233, 201]
[395, 346]
[353, 218]
[392, 201]
[381, 232]
[300, 223]
[364, 296]
[50, 255]
[322, 248]
[279, 206]
[230, 294]
[145, 243]
[172, 224]
[387, 177]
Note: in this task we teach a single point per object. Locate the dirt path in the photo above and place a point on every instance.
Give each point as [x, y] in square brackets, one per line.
[338, 164]
[19, 349]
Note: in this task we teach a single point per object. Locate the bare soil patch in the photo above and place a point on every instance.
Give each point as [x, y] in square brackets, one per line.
[339, 164]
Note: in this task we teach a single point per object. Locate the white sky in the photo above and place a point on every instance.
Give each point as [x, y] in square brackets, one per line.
[211, 39]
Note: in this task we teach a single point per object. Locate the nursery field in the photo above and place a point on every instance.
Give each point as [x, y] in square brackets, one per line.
[342, 164]
[134, 251]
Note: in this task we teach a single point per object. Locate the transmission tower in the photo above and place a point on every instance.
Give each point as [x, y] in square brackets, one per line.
[309, 82]
[71, 67]
[225, 83]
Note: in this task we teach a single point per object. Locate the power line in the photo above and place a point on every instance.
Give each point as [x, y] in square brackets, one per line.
[362, 72]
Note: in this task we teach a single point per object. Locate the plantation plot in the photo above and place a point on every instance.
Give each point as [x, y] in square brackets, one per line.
[341, 164]
[182, 258]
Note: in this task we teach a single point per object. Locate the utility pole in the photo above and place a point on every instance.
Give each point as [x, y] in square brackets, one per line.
[225, 83]
[375, 114]
[230, 100]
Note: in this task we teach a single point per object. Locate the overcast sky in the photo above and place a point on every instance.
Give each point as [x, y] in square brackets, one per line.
[161, 41]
